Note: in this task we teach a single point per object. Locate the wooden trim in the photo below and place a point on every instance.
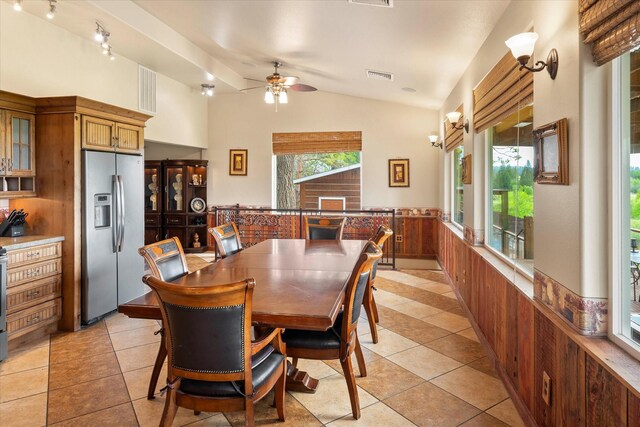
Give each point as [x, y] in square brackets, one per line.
[316, 142]
[78, 104]
[15, 102]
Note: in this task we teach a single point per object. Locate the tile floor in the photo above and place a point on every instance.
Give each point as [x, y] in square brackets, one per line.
[428, 370]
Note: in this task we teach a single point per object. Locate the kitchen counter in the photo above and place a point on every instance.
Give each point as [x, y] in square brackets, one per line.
[12, 243]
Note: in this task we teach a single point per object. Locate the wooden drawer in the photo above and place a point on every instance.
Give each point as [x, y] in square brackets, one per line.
[175, 220]
[152, 220]
[29, 273]
[33, 293]
[25, 321]
[34, 254]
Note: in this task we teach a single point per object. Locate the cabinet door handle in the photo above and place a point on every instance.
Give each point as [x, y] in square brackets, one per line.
[10, 165]
[34, 319]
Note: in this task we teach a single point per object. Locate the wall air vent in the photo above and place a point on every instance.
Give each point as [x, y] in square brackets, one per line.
[378, 3]
[146, 90]
[379, 75]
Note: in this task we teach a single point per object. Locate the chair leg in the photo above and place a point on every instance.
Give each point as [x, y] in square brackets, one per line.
[347, 368]
[367, 301]
[170, 409]
[157, 367]
[248, 413]
[362, 367]
[196, 413]
[375, 308]
[280, 392]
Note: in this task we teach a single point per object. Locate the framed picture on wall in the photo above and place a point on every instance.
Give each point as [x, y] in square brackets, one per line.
[238, 162]
[398, 172]
[551, 153]
[466, 169]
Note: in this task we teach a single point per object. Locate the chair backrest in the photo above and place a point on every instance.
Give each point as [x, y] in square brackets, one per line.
[323, 228]
[356, 287]
[227, 239]
[165, 259]
[208, 330]
[379, 239]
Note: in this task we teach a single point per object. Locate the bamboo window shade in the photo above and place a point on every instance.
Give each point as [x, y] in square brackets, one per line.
[453, 137]
[501, 92]
[611, 27]
[316, 142]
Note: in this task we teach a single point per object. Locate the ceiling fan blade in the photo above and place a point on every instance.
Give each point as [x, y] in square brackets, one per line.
[302, 88]
[254, 80]
[290, 81]
[250, 88]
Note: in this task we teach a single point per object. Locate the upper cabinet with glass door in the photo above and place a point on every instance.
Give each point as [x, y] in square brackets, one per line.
[19, 147]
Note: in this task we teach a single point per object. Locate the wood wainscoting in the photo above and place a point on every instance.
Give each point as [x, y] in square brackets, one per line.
[526, 339]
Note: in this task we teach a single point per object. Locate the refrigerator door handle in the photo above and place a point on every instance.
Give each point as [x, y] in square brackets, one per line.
[115, 227]
[121, 203]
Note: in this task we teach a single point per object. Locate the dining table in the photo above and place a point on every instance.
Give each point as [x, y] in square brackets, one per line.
[300, 284]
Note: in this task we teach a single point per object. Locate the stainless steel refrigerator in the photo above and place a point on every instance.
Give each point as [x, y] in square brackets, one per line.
[112, 231]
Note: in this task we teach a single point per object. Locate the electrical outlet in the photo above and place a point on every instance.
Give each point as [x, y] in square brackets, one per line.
[546, 388]
[399, 238]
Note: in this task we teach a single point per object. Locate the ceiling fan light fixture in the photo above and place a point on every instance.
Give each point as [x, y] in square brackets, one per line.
[283, 98]
[268, 96]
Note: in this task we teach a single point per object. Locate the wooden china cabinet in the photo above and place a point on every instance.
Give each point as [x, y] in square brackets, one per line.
[181, 205]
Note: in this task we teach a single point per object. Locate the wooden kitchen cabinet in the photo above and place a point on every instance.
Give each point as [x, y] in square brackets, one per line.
[34, 289]
[107, 135]
[17, 146]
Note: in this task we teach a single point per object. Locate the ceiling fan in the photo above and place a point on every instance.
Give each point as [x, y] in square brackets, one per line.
[277, 86]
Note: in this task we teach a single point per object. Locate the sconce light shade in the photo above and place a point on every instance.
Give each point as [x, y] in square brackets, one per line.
[522, 45]
[433, 138]
[453, 117]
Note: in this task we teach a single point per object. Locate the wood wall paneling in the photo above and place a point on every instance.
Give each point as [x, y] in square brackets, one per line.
[606, 397]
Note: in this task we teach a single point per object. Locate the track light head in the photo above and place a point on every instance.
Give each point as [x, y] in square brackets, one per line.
[52, 9]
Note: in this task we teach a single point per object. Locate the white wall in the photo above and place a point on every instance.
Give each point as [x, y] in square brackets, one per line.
[569, 235]
[38, 58]
[388, 131]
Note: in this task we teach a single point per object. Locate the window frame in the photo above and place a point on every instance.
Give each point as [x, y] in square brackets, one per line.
[453, 186]
[620, 216]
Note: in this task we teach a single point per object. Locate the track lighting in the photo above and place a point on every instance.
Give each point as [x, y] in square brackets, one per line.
[111, 57]
[207, 89]
[17, 5]
[101, 35]
[433, 138]
[522, 46]
[454, 118]
[52, 9]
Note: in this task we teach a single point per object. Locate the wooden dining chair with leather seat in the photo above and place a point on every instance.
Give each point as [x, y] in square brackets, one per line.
[167, 262]
[323, 228]
[369, 301]
[341, 340]
[227, 239]
[213, 364]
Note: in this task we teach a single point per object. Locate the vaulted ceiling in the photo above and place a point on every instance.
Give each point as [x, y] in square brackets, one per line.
[427, 45]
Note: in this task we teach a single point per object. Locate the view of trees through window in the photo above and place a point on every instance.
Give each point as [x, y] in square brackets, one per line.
[458, 187]
[290, 167]
[511, 187]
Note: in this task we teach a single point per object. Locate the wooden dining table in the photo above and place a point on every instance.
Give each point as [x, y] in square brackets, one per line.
[300, 284]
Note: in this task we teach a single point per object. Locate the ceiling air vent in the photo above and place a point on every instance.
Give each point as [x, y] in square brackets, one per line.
[378, 3]
[379, 75]
[146, 89]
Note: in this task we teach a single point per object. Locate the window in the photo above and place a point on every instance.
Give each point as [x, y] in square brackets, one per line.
[458, 187]
[626, 234]
[510, 188]
[303, 180]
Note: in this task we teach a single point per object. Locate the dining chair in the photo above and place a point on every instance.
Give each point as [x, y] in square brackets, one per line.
[341, 340]
[167, 262]
[369, 301]
[214, 366]
[227, 239]
[323, 228]
[635, 278]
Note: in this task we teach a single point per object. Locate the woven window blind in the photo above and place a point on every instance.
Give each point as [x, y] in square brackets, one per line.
[453, 137]
[499, 93]
[611, 27]
[316, 142]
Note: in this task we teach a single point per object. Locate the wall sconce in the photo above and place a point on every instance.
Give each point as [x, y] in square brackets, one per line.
[207, 89]
[454, 118]
[522, 45]
[433, 138]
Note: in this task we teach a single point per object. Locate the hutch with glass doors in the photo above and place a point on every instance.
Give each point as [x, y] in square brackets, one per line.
[176, 202]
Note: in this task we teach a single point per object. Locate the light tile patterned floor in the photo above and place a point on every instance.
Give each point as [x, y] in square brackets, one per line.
[427, 369]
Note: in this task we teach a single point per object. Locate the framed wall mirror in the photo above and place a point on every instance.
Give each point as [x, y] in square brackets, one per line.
[551, 153]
